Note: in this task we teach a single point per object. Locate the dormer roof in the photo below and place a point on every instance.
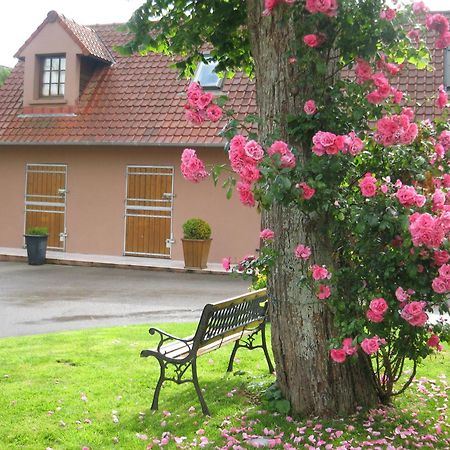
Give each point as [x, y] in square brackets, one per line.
[85, 37]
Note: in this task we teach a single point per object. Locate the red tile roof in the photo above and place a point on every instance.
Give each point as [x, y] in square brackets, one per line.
[136, 100]
[139, 100]
[89, 41]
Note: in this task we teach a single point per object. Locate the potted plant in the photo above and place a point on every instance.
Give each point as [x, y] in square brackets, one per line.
[196, 243]
[36, 242]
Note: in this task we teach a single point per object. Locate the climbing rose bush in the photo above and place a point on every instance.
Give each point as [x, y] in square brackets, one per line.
[374, 171]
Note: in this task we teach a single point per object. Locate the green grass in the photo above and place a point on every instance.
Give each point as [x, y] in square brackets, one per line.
[90, 388]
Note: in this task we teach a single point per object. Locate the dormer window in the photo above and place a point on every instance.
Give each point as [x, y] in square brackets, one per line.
[206, 75]
[53, 76]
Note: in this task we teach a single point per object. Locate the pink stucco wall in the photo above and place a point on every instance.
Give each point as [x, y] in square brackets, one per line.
[96, 181]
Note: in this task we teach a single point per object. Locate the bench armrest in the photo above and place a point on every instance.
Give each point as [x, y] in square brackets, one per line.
[165, 337]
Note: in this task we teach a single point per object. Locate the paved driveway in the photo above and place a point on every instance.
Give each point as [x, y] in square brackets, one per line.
[41, 299]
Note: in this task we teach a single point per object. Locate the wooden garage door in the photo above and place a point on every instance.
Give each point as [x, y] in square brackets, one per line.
[148, 211]
[45, 201]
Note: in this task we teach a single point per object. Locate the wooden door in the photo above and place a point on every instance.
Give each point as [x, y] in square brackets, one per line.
[148, 211]
[45, 201]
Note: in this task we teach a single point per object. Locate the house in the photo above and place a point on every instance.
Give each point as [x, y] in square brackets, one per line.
[90, 146]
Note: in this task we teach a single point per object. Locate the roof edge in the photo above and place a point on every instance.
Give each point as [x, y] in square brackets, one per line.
[113, 144]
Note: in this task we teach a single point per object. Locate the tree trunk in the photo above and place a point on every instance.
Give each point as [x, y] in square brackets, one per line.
[301, 324]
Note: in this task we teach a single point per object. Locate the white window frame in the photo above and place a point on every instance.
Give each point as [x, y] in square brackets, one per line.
[197, 77]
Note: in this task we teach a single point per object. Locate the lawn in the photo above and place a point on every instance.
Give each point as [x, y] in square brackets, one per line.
[90, 389]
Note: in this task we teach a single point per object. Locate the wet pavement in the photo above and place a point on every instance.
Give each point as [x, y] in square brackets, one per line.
[48, 298]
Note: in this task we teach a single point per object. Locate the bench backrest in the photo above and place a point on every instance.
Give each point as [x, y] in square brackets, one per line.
[234, 315]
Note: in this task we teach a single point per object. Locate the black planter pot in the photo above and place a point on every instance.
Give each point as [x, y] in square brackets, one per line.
[36, 249]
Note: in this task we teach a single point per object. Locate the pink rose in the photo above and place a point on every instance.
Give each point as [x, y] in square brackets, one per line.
[278, 147]
[248, 172]
[204, 100]
[338, 355]
[374, 317]
[245, 193]
[347, 346]
[363, 71]
[310, 107]
[302, 252]
[254, 151]
[192, 167]
[214, 113]
[193, 116]
[353, 144]
[368, 185]
[437, 22]
[420, 7]
[419, 320]
[401, 295]
[327, 7]
[378, 305]
[444, 271]
[413, 313]
[442, 98]
[324, 292]
[388, 14]
[267, 234]
[308, 191]
[320, 272]
[371, 345]
[226, 263]
[444, 139]
[433, 341]
[288, 160]
[441, 257]
[443, 41]
[406, 195]
[314, 40]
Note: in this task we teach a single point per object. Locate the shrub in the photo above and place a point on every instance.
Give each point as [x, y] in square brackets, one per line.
[37, 231]
[196, 229]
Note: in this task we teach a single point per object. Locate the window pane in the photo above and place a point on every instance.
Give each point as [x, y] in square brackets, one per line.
[55, 76]
[53, 89]
[46, 77]
[63, 64]
[55, 63]
[47, 63]
[62, 77]
[62, 89]
[206, 75]
[45, 90]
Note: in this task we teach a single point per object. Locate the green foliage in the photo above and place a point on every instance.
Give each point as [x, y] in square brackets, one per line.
[196, 229]
[182, 28]
[275, 400]
[4, 74]
[37, 231]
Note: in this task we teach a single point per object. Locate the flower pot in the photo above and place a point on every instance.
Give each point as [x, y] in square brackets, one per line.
[36, 248]
[196, 253]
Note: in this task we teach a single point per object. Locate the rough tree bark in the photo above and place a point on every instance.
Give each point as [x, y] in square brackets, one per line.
[301, 325]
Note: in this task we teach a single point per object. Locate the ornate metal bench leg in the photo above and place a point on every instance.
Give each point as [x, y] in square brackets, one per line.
[266, 352]
[162, 377]
[233, 354]
[205, 409]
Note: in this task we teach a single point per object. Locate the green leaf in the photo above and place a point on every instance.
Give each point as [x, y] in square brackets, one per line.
[283, 406]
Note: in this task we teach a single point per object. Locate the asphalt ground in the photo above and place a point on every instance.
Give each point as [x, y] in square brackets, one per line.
[49, 298]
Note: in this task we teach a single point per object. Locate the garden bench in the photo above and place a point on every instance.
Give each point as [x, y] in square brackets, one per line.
[237, 320]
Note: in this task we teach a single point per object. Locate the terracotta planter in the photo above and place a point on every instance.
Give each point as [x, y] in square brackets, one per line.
[196, 253]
